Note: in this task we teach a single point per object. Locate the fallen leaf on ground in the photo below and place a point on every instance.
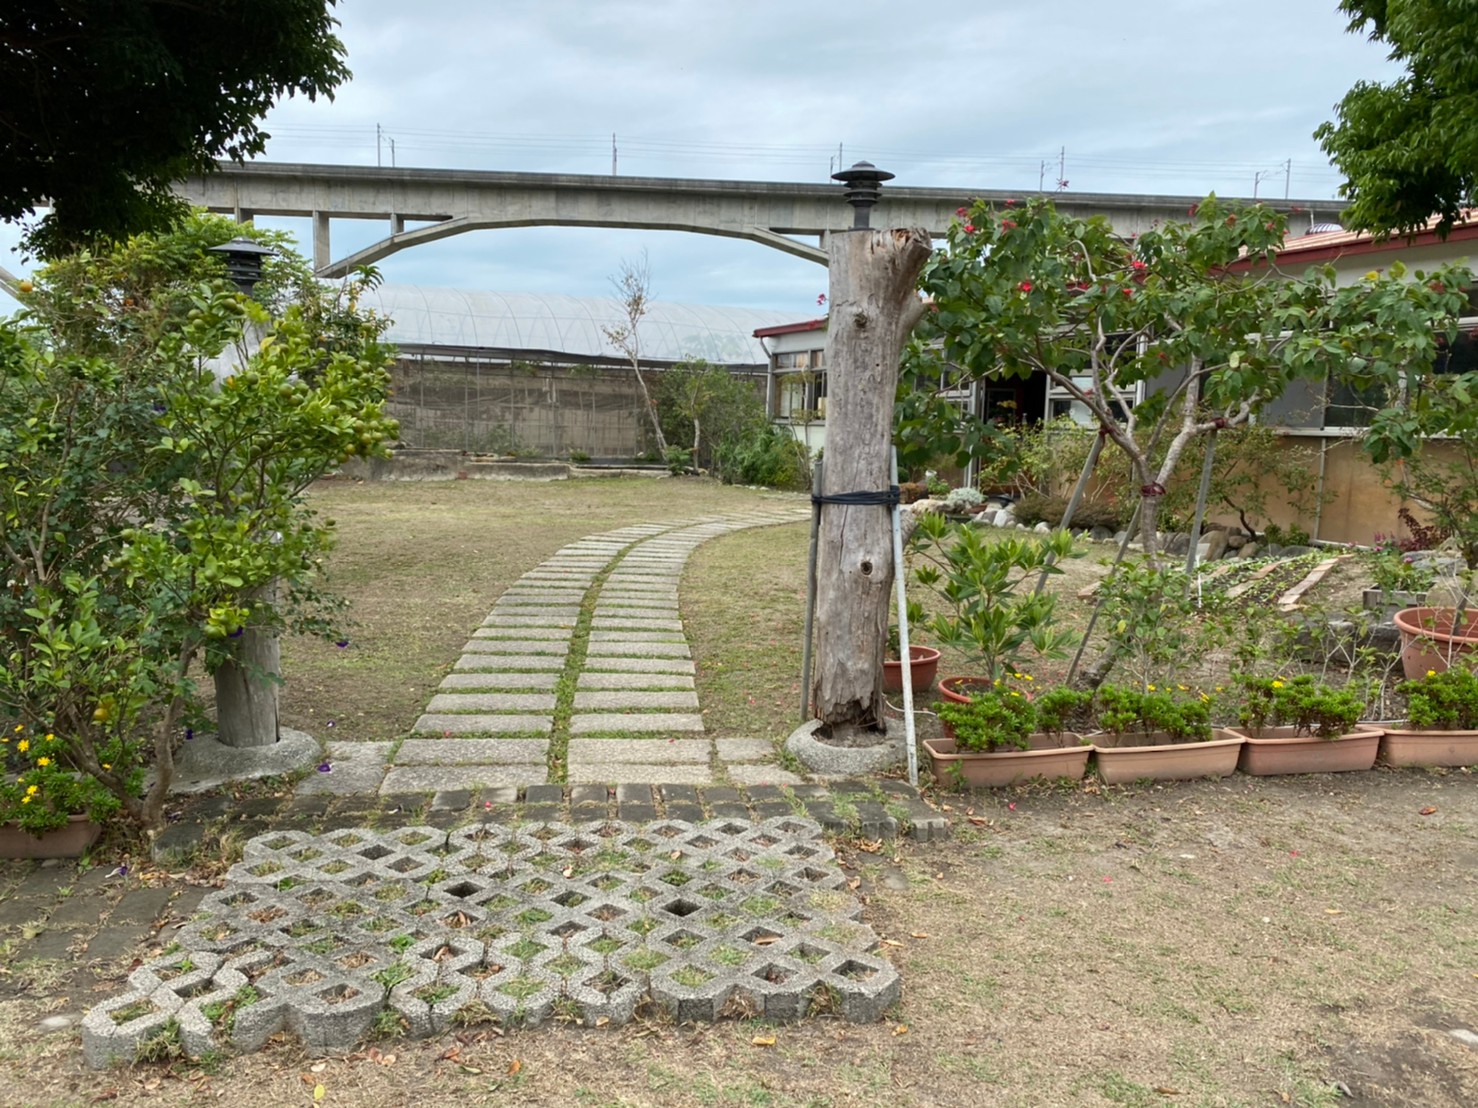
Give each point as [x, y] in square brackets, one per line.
[895, 942]
[1429, 811]
[1332, 911]
[1166, 1090]
[318, 1067]
[918, 934]
[901, 1029]
[319, 1092]
[514, 1068]
[763, 1040]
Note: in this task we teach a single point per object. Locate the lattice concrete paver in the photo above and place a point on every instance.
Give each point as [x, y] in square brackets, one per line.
[702, 919]
[430, 752]
[432, 724]
[600, 723]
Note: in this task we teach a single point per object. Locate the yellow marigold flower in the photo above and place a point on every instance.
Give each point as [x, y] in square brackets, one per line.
[23, 746]
[1431, 673]
[25, 800]
[43, 761]
[1277, 684]
[50, 737]
[107, 765]
[1150, 688]
[31, 790]
[19, 727]
[1183, 688]
[1028, 677]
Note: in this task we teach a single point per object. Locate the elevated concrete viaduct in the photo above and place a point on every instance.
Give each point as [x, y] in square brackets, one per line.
[451, 201]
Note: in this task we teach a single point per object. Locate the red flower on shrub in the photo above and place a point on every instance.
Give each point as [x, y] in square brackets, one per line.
[1025, 286]
[969, 228]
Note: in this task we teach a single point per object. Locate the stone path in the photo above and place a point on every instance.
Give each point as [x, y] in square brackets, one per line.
[582, 669]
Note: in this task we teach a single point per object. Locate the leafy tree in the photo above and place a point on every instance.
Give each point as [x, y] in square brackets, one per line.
[105, 103]
[709, 407]
[1409, 149]
[145, 504]
[1193, 315]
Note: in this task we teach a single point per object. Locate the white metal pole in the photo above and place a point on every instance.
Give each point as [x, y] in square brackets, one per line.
[903, 655]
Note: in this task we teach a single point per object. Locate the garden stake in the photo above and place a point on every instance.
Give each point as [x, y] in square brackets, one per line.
[903, 655]
[1072, 504]
[1190, 557]
[1098, 606]
[811, 592]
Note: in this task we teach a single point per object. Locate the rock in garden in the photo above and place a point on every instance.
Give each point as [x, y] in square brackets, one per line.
[1213, 546]
[1236, 540]
[1043, 528]
[1177, 542]
[1101, 534]
[1249, 550]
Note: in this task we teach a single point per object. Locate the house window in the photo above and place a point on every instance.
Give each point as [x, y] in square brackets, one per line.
[800, 386]
[1352, 406]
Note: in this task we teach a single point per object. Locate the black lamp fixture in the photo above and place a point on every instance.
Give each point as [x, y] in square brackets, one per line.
[864, 183]
[244, 261]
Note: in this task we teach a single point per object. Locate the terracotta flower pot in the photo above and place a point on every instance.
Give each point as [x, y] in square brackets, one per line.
[1165, 760]
[1051, 756]
[923, 671]
[70, 840]
[1405, 747]
[955, 689]
[1429, 642]
[1275, 750]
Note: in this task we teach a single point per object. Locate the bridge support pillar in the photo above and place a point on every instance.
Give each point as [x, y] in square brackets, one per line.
[322, 255]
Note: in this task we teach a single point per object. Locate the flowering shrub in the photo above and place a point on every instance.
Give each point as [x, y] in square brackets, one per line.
[1303, 703]
[40, 789]
[1125, 711]
[1446, 701]
[994, 719]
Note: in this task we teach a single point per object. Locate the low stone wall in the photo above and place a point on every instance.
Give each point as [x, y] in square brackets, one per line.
[454, 465]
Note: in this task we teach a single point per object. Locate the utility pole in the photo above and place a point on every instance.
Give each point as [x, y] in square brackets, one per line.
[613, 153]
[1287, 176]
[377, 144]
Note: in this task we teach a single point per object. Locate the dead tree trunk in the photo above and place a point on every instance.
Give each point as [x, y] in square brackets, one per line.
[873, 274]
[247, 685]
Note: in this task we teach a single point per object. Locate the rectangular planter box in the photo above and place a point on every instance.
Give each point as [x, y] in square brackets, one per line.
[1119, 765]
[1402, 747]
[71, 840]
[1007, 767]
[1276, 750]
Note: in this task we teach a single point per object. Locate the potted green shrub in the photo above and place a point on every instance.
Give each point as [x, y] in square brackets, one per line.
[1158, 734]
[977, 581]
[1442, 721]
[1003, 735]
[1301, 725]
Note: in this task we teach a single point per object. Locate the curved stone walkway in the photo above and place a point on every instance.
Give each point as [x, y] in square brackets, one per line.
[582, 666]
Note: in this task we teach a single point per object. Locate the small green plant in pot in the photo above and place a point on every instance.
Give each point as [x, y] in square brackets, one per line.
[1301, 725]
[988, 615]
[1442, 727]
[1004, 734]
[1159, 734]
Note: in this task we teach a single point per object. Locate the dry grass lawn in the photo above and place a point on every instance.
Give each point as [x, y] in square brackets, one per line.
[1302, 941]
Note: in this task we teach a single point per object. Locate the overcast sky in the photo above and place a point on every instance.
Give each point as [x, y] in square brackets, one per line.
[1155, 96]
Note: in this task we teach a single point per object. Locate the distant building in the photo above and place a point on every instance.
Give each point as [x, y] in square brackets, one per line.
[535, 375]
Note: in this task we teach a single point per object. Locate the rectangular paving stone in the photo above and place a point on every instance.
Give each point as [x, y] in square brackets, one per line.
[679, 794]
[489, 752]
[544, 794]
[494, 702]
[509, 662]
[492, 630]
[499, 680]
[343, 779]
[745, 750]
[546, 618]
[517, 646]
[639, 665]
[436, 778]
[638, 650]
[635, 793]
[619, 700]
[589, 796]
[615, 773]
[612, 600]
[633, 681]
[432, 724]
[595, 723]
[689, 751]
[634, 623]
[763, 775]
[637, 635]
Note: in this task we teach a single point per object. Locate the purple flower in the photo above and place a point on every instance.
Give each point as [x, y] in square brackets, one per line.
[330, 723]
[236, 634]
[342, 643]
[324, 767]
[189, 734]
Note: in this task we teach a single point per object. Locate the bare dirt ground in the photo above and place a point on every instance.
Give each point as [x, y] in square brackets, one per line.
[1307, 941]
